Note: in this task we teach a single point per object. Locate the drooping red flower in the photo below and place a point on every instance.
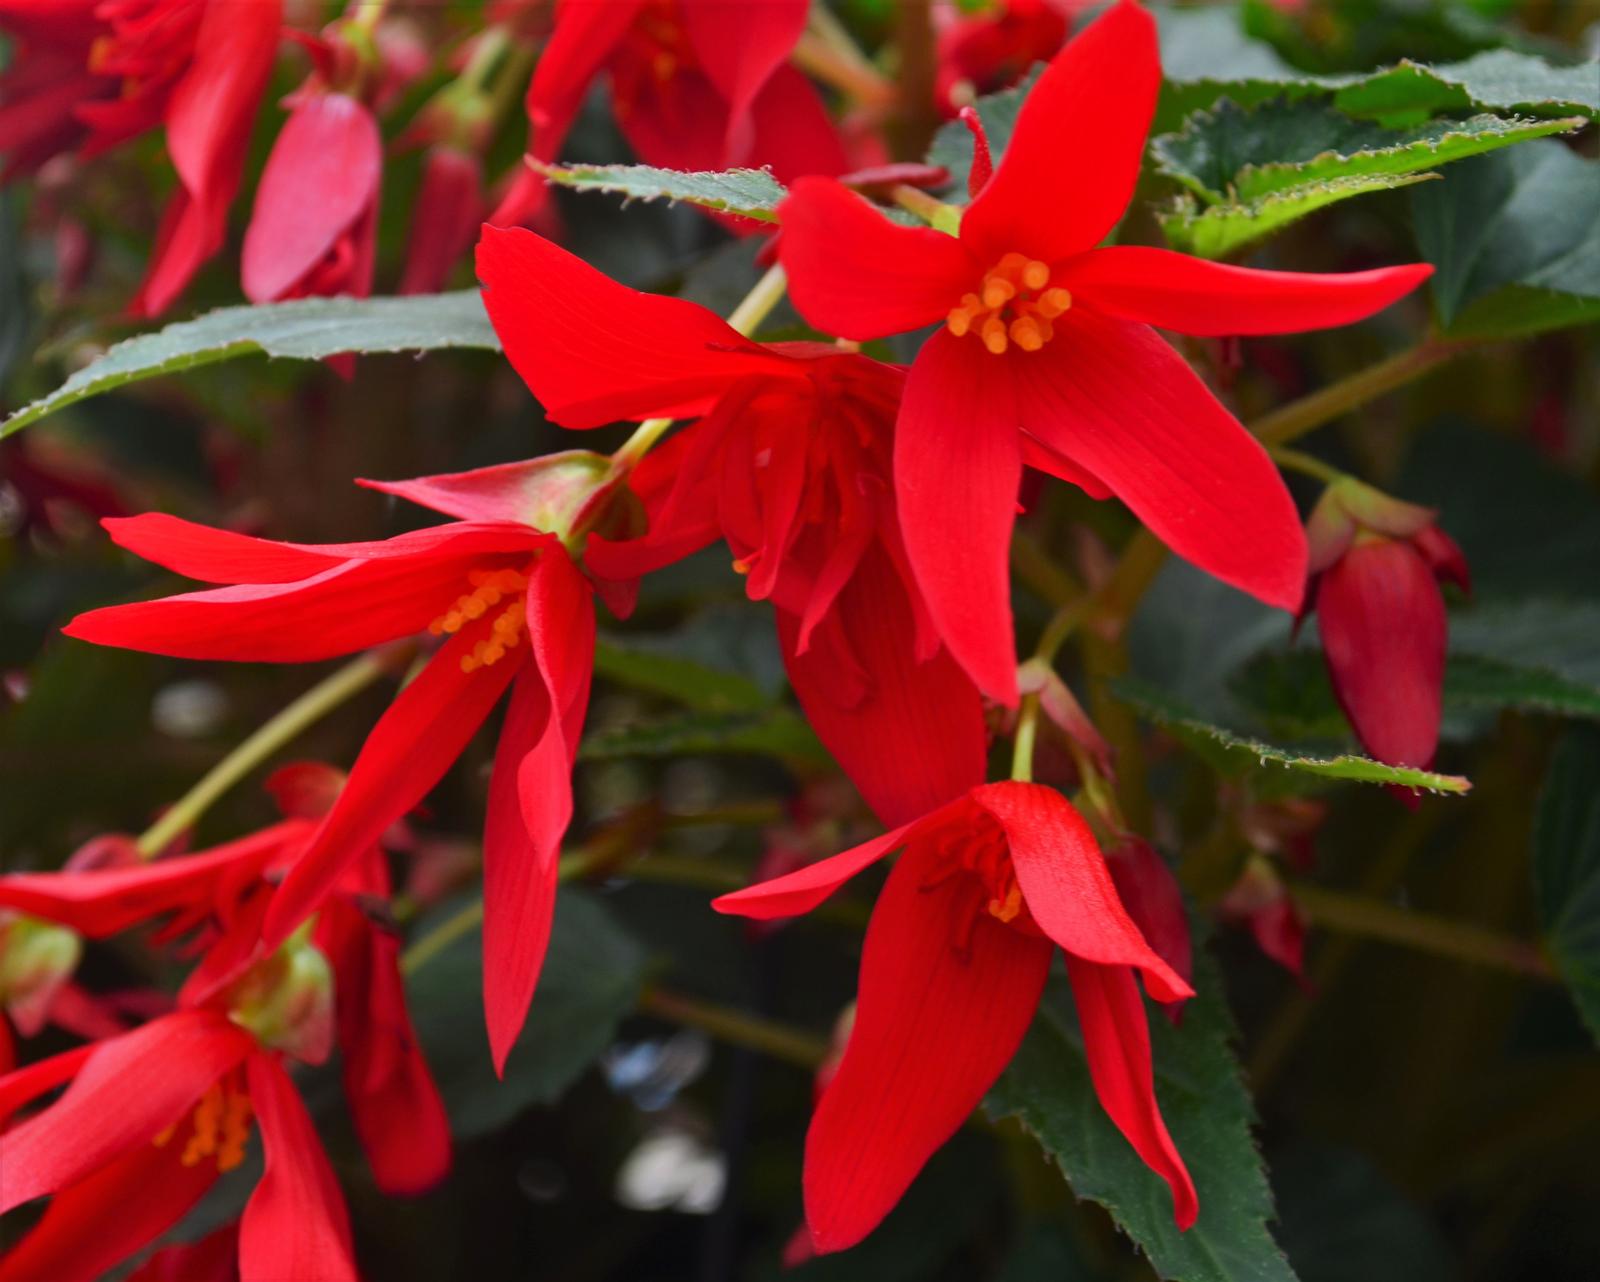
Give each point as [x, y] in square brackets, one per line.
[449, 210]
[314, 228]
[1375, 568]
[955, 961]
[789, 463]
[149, 1121]
[981, 52]
[695, 84]
[513, 612]
[1046, 356]
[94, 75]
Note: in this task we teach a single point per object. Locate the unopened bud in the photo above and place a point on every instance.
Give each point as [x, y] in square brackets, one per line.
[36, 959]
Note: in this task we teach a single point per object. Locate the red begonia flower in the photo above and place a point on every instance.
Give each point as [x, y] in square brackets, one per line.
[1046, 356]
[1375, 567]
[955, 961]
[982, 52]
[513, 612]
[695, 84]
[449, 209]
[1150, 892]
[314, 228]
[150, 1119]
[96, 75]
[790, 464]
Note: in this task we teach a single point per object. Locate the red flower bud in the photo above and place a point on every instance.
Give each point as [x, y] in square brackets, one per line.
[449, 208]
[1261, 901]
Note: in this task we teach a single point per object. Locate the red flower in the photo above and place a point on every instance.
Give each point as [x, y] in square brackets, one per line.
[1151, 894]
[695, 84]
[1375, 566]
[98, 74]
[513, 612]
[314, 228]
[1046, 355]
[986, 51]
[448, 212]
[151, 1118]
[789, 464]
[954, 964]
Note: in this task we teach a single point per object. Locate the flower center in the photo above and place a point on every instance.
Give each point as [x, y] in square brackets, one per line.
[1014, 304]
[221, 1127]
[489, 589]
[976, 851]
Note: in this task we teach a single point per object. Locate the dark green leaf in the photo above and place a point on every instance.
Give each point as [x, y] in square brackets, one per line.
[590, 980]
[1238, 754]
[1515, 241]
[771, 732]
[1252, 171]
[1207, 1111]
[689, 682]
[750, 193]
[308, 329]
[952, 145]
[1566, 867]
[15, 312]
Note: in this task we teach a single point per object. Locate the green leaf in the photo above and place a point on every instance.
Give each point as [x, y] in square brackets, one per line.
[308, 329]
[1207, 1110]
[1515, 242]
[1566, 867]
[1238, 754]
[1251, 171]
[770, 732]
[952, 145]
[693, 684]
[590, 980]
[750, 193]
[1472, 681]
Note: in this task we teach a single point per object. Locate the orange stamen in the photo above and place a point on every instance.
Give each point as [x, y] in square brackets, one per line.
[1013, 306]
[489, 589]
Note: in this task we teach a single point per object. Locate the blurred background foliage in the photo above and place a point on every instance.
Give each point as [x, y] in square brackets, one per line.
[1429, 1098]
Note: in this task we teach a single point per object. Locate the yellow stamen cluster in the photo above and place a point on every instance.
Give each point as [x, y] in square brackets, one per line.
[1015, 304]
[489, 589]
[221, 1128]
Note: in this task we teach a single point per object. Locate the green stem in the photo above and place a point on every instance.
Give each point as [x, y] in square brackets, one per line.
[309, 708]
[1309, 412]
[1460, 941]
[1027, 735]
[934, 212]
[735, 1027]
[826, 52]
[1296, 461]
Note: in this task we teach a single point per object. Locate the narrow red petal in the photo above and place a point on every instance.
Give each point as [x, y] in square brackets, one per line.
[957, 469]
[510, 492]
[594, 351]
[1383, 629]
[1068, 887]
[211, 555]
[854, 273]
[1074, 156]
[295, 1224]
[127, 1092]
[586, 34]
[793, 133]
[740, 46]
[214, 1258]
[1116, 1040]
[802, 890]
[1117, 400]
[936, 1022]
[916, 739]
[21, 1086]
[319, 182]
[1193, 296]
[407, 753]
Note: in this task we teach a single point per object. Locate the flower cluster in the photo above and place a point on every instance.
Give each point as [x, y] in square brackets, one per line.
[872, 504]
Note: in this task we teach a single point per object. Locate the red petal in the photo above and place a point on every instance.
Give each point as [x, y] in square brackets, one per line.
[103, 902]
[794, 134]
[1151, 894]
[209, 119]
[101, 1220]
[740, 46]
[586, 34]
[22, 1086]
[1193, 296]
[802, 890]
[1117, 400]
[593, 351]
[407, 753]
[447, 213]
[935, 1024]
[1074, 156]
[916, 739]
[212, 555]
[294, 1225]
[1068, 887]
[1383, 631]
[509, 492]
[519, 886]
[957, 468]
[854, 273]
[129, 1090]
[319, 182]
[214, 1258]
[1116, 1041]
